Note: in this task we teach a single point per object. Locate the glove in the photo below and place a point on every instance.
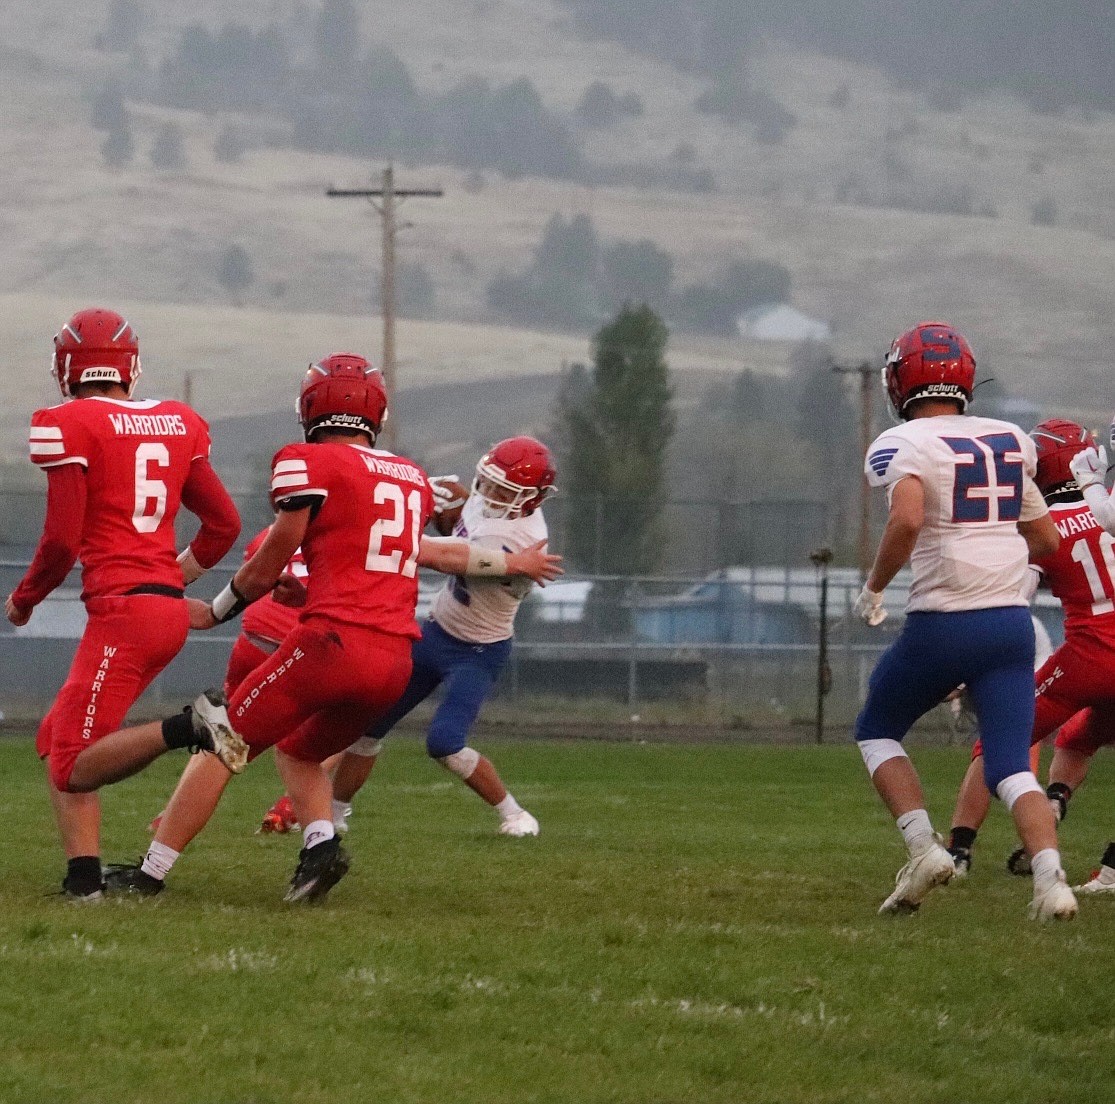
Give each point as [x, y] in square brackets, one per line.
[447, 493]
[869, 607]
[1089, 467]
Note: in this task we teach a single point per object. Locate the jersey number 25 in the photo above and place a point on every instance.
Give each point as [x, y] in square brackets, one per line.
[988, 471]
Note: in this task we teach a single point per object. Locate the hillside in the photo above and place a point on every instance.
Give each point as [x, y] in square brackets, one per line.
[1034, 299]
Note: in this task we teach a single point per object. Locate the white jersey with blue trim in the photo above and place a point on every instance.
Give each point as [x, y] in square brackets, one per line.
[978, 477]
[482, 610]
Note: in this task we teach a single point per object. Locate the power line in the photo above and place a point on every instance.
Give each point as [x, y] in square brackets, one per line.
[389, 197]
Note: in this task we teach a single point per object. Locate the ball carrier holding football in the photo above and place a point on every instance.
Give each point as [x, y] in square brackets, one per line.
[357, 513]
[466, 640]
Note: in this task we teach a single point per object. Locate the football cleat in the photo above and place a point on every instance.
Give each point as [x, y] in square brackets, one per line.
[319, 869]
[279, 819]
[932, 867]
[214, 731]
[962, 860]
[1101, 881]
[520, 823]
[81, 893]
[1018, 863]
[132, 880]
[1053, 901]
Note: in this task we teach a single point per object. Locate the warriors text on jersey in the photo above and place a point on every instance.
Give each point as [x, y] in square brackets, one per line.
[137, 458]
[361, 546]
[1081, 573]
[482, 610]
[977, 475]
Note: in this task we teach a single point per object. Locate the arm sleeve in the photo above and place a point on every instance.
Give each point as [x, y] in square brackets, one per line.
[1099, 502]
[204, 494]
[58, 547]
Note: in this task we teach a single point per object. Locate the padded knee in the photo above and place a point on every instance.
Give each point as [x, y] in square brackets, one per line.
[876, 752]
[366, 747]
[1011, 788]
[462, 763]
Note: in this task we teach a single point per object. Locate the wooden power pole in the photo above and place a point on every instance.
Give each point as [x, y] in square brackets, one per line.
[868, 380]
[389, 197]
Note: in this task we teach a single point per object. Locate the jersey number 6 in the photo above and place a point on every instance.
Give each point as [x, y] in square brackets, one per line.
[147, 489]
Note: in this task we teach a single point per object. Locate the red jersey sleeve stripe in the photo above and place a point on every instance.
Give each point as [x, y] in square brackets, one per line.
[47, 448]
[289, 466]
[59, 463]
[46, 433]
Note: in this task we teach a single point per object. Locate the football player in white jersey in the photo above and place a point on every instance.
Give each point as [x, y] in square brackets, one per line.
[466, 640]
[966, 513]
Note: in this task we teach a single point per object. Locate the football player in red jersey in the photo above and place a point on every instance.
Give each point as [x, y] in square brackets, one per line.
[117, 471]
[262, 630]
[357, 513]
[1079, 678]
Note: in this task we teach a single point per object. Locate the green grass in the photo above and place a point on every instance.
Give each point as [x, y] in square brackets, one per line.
[693, 924]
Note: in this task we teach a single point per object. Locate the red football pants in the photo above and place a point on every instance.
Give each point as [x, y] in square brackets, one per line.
[319, 692]
[1078, 678]
[127, 641]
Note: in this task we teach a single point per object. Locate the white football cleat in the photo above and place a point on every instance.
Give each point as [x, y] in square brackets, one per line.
[1103, 881]
[933, 867]
[519, 824]
[215, 732]
[1053, 901]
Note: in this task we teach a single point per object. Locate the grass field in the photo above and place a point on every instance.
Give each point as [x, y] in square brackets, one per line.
[694, 924]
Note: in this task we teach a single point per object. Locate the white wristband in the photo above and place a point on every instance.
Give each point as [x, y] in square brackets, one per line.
[486, 561]
[191, 569]
[228, 604]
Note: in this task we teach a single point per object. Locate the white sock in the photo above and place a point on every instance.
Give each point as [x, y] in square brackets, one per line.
[508, 807]
[317, 831]
[1106, 875]
[341, 812]
[916, 830]
[158, 860]
[1046, 865]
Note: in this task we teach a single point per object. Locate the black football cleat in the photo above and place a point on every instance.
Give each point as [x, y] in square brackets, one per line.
[319, 869]
[81, 891]
[131, 880]
[1018, 863]
[962, 859]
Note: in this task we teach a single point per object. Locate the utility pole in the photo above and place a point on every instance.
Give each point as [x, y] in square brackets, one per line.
[868, 380]
[389, 197]
[821, 559]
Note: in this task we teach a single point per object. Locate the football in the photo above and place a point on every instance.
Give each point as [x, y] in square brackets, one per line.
[449, 499]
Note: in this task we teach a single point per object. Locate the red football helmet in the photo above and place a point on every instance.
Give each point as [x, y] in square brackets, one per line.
[514, 477]
[931, 361]
[342, 391]
[1058, 441]
[95, 346]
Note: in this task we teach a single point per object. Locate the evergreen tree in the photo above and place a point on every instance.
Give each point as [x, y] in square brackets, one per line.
[118, 148]
[234, 271]
[617, 421]
[168, 152]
